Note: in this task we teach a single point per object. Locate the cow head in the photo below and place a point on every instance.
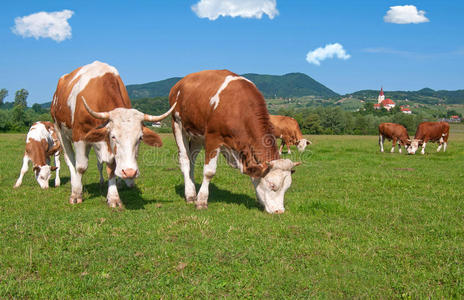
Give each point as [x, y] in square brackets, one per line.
[302, 144]
[415, 143]
[124, 130]
[42, 175]
[270, 188]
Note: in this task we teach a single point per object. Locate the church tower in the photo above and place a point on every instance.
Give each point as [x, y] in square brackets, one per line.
[381, 96]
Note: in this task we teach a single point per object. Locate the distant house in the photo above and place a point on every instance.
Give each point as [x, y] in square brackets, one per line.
[405, 110]
[382, 102]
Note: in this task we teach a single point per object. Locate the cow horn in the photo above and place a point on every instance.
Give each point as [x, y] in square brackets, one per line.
[97, 115]
[150, 118]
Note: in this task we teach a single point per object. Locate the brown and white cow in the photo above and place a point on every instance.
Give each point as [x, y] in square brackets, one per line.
[225, 113]
[41, 143]
[395, 133]
[105, 122]
[287, 129]
[430, 132]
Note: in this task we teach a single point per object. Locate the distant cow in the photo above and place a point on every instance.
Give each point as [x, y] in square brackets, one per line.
[41, 143]
[225, 113]
[430, 132]
[287, 129]
[393, 132]
[105, 122]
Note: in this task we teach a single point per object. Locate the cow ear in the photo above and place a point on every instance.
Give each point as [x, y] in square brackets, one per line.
[151, 138]
[257, 170]
[53, 168]
[96, 135]
[36, 169]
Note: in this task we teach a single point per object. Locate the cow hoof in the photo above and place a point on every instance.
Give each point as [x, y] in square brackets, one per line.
[191, 199]
[114, 203]
[57, 184]
[75, 200]
[201, 205]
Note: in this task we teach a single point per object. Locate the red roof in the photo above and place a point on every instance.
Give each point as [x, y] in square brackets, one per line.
[405, 109]
[454, 117]
[387, 101]
[381, 91]
[376, 105]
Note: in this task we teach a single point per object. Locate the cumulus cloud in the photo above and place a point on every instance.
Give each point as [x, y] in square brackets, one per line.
[405, 14]
[213, 9]
[53, 25]
[329, 51]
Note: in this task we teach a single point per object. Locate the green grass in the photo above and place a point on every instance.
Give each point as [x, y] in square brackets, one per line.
[358, 223]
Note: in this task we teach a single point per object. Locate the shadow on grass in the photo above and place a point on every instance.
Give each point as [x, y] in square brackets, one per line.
[130, 197]
[63, 181]
[219, 195]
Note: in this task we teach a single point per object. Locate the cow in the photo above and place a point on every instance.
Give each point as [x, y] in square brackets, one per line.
[287, 129]
[395, 133]
[430, 132]
[91, 108]
[225, 113]
[41, 143]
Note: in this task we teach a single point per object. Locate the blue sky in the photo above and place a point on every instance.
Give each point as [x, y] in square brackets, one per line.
[153, 40]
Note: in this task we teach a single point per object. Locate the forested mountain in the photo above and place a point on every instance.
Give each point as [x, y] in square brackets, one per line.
[272, 86]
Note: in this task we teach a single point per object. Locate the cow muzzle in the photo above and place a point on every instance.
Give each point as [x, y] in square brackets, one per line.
[129, 173]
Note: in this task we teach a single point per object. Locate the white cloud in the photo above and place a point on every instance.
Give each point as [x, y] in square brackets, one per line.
[213, 9]
[405, 14]
[52, 25]
[329, 51]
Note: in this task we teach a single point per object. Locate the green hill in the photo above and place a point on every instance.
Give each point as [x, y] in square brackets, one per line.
[424, 96]
[152, 89]
[272, 86]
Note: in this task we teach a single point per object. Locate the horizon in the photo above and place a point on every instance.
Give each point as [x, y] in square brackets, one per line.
[403, 46]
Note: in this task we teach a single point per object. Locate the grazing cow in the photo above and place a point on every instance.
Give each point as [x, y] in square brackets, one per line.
[223, 112]
[430, 132]
[41, 143]
[287, 129]
[395, 132]
[106, 122]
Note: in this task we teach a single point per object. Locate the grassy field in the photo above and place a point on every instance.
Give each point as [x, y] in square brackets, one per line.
[358, 223]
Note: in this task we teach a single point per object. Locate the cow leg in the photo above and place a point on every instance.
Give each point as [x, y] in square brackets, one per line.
[209, 170]
[24, 169]
[423, 148]
[68, 154]
[444, 146]
[184, 161]
[288, 149]
[281, 147]
[195, 147]
[58, 167]
[399, 147]
[381, 140]
[112, 198]
[393, 145]
[82, 162]
[100, 171]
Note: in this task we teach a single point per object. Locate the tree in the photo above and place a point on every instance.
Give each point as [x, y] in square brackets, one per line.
[21, 97]
[3, 94]
[37, 108]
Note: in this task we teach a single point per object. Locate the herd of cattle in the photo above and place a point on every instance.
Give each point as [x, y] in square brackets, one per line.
[215, 110]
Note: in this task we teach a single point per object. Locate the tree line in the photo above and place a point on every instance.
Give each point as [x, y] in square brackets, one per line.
[16, 116]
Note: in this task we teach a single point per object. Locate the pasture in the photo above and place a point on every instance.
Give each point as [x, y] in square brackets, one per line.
[358, 223]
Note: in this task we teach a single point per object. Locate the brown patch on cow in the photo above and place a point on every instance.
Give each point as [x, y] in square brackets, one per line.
[103, 93]
[36, 151]
[96, 135]
[432, 132]
[287, 129]
[394, 132]
[151, 138]
[240, 121]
